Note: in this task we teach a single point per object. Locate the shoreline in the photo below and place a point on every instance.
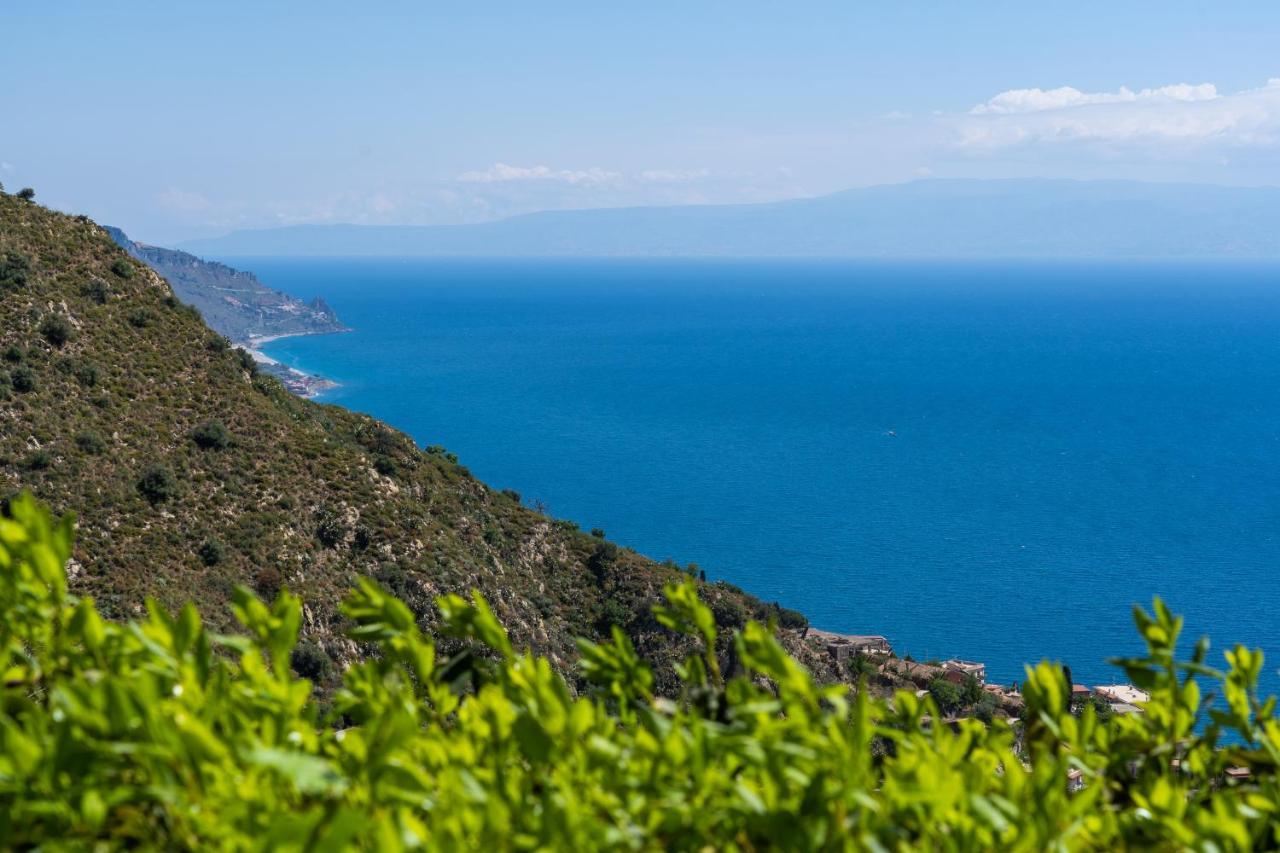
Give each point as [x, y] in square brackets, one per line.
[306, 385]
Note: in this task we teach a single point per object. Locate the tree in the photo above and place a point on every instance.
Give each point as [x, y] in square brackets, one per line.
[14, 268]
[157, 484]
[97, 291]
[23, 379]
[26, 194]
[210, 552]
[946, 695]
[56, 329]
[211, 435]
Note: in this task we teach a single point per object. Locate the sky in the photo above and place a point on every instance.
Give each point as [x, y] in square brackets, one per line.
[180, 120]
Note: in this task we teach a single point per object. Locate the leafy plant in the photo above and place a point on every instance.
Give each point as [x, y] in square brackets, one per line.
[56, 329]
[160, 734]
[211, 435]
[157, 484]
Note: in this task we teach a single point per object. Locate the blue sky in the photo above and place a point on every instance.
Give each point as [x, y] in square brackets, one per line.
[176, 120]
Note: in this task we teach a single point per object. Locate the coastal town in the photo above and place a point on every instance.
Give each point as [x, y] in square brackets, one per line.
[872, 654]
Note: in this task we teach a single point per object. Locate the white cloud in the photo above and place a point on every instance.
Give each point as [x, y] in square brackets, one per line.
[1036, 100]
[501, 172]
[1179, 115]
[6, 166]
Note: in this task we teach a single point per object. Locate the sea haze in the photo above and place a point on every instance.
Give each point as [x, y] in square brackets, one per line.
[986, 460]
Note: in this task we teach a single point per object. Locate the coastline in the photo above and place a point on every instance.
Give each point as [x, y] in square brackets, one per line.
[307, 385]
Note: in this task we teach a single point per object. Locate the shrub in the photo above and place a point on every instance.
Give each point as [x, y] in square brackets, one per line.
[311, 662]
[141, 317]
[14, 354]
[384, 465]
[97, 291]
[161, 734]
[330, 530]
[211, 435]
[122, 268]
[87, 374]
[946, 695]
[210, 552]
[26, 194]
[56, 329]
[512, 494]
[217, 343]
[157, 484]
[23, 379]
[790, 619]
[597, 533]
[40, 460]
[14, 269]
[91, 442]
[247, 362]
[604, 556]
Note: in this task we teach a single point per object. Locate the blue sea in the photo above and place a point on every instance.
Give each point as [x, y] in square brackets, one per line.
[992, 461]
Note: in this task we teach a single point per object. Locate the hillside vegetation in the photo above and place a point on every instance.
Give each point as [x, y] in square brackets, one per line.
[190, 473]
[159, 734]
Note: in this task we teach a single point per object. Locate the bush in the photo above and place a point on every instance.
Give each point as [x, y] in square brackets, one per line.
[97, 291]
[157, 484]
[87, 374]
[14, 269]
[597, 533]
[247, 362]
[23, 380]
[211, 435]
[604, 556]
[56, 329]
[792, 620]
[163, 735]
[26, 194]
[91, 443]
[210, 552]
[946, 695]
[140, 318]
[384, 465]
[122, 268]
[14, 354]
[39, 461]
[330, 530]
[311, 662]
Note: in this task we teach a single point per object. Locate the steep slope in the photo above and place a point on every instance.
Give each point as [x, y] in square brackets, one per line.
[191, 473]
[232, 301]
[923, 219]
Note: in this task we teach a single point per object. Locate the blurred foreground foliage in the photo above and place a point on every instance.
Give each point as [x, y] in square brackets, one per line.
[157, 733]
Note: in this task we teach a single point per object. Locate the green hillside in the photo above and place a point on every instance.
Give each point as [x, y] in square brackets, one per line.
[190, 473]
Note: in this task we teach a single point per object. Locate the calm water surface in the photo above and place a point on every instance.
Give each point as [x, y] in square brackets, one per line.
[993, 461]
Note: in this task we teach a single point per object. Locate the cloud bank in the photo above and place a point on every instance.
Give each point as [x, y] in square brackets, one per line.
[1181, 114]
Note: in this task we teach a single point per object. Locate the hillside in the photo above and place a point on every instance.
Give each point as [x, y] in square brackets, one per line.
[191, 473]
[923, 219]
[231, 301]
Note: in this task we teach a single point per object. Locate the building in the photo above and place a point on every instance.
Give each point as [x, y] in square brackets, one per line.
[1125, 694]
[842, 647]
[962, 669]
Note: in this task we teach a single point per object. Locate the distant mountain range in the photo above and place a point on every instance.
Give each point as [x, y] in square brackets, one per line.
[922, 219]
[233, 302]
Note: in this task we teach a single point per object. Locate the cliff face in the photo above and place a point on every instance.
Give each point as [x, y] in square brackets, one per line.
[233, 302]
[191, 473]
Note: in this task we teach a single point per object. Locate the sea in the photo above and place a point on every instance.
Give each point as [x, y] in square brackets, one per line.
[993, 461]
